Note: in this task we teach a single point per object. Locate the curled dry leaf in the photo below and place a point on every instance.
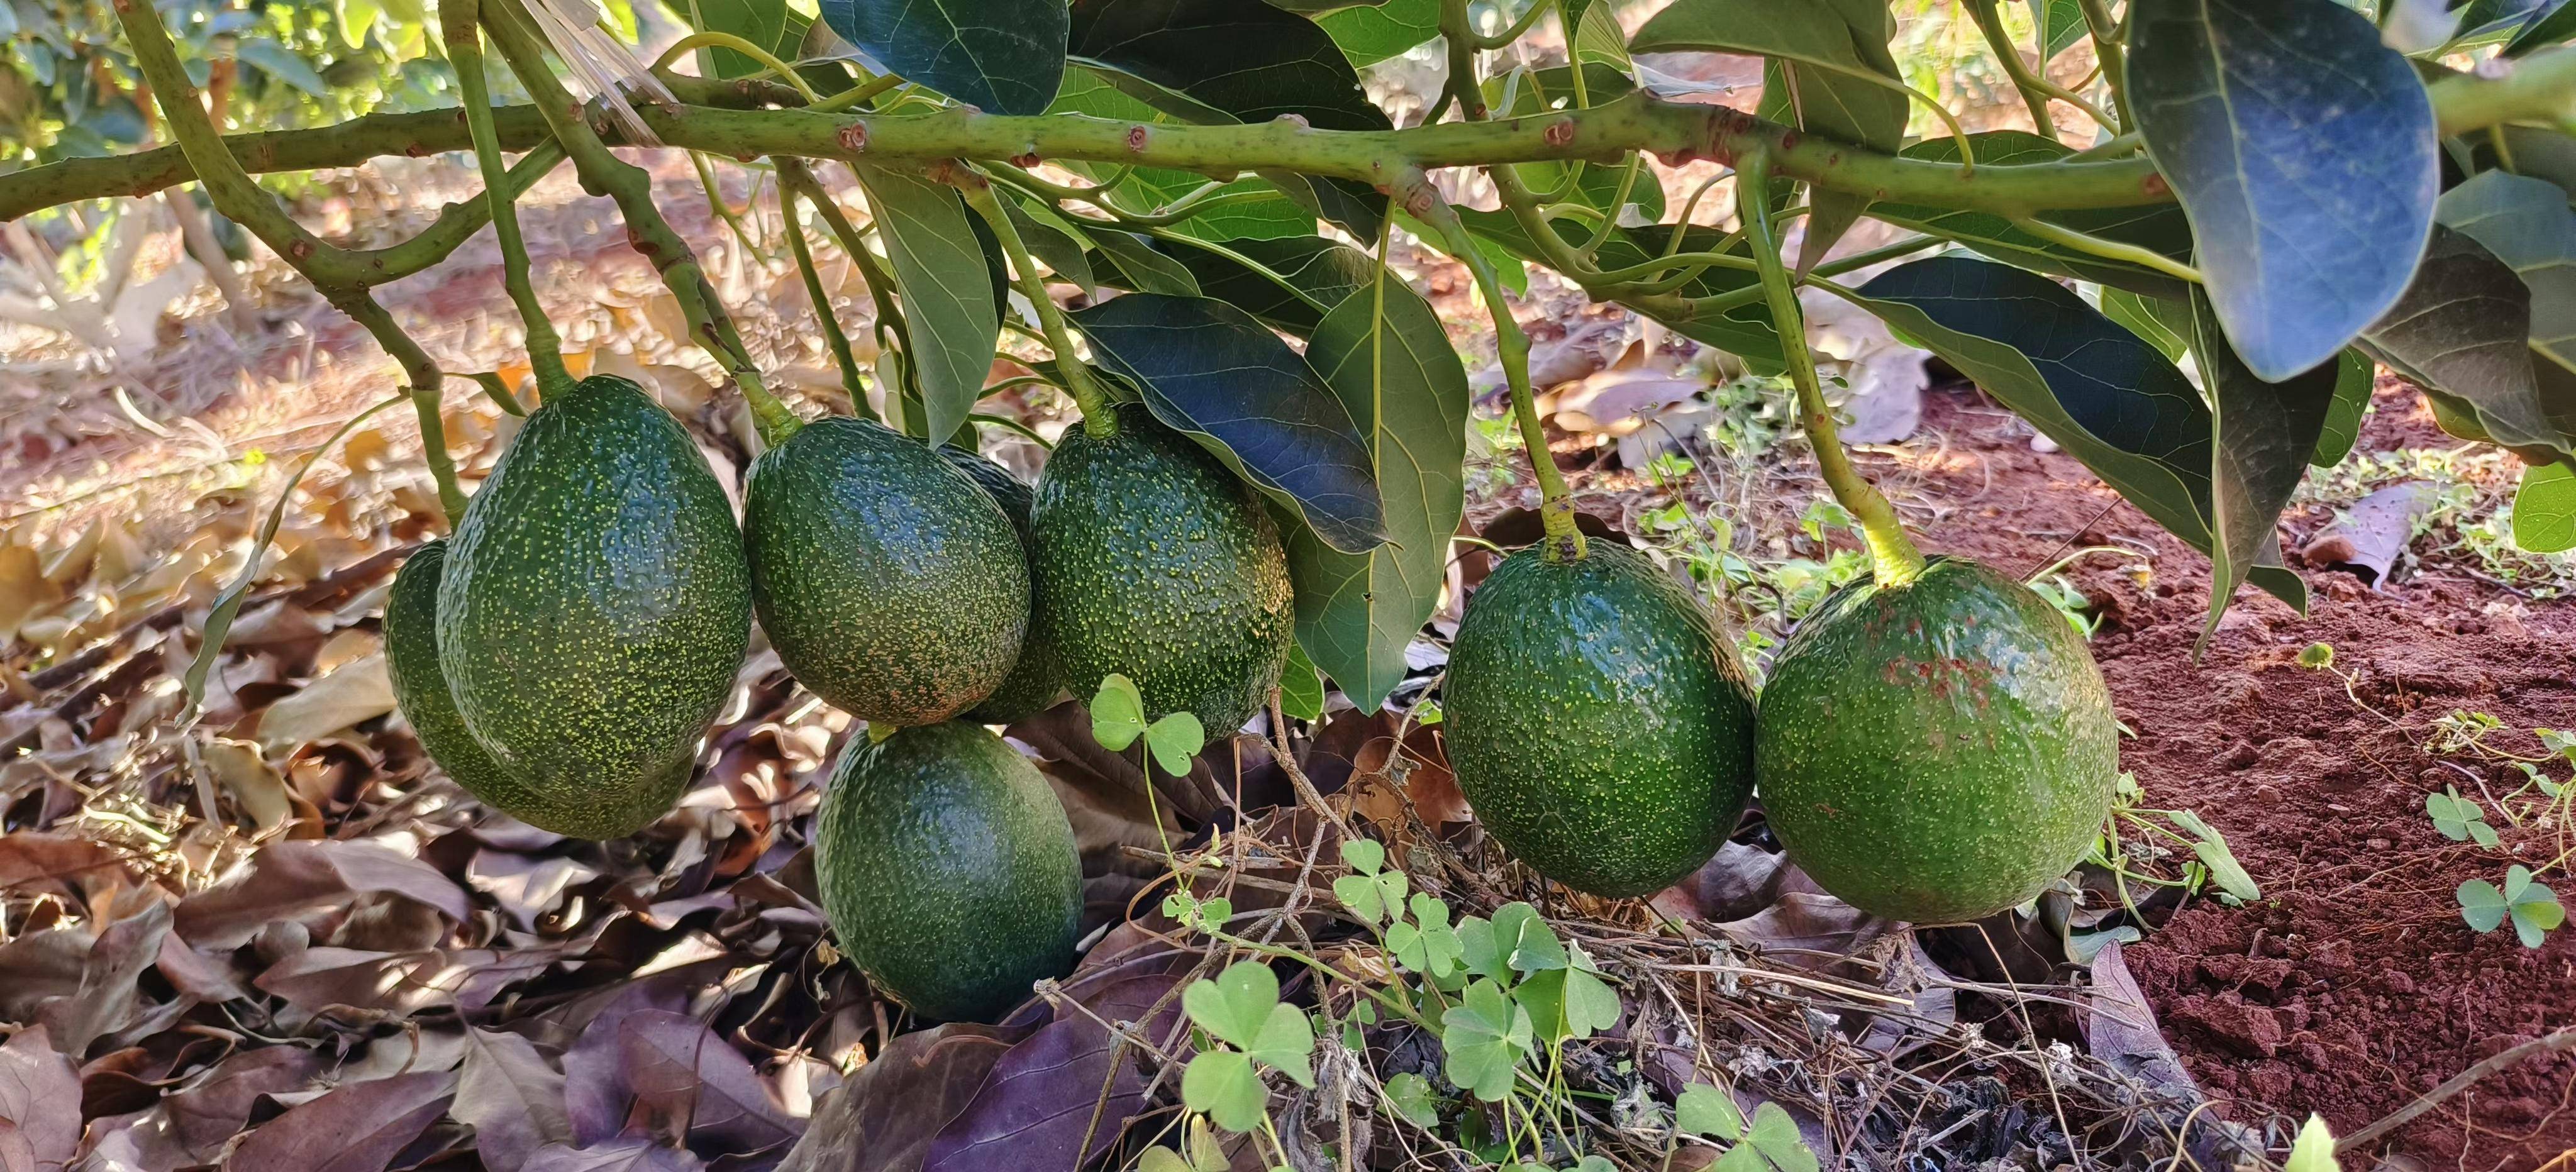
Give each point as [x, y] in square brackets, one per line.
[359, 691]
[617, 1155]
[288, 879]
[357, 1127]
[883, 1118]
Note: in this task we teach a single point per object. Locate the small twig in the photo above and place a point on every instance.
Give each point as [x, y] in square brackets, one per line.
[2563, 1039]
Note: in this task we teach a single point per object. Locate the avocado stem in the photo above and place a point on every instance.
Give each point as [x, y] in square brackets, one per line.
[1893, 558]
[460, 26]
[1099, 420]
[1511, 347]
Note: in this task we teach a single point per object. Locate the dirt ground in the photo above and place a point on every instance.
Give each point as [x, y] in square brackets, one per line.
[2353, 986]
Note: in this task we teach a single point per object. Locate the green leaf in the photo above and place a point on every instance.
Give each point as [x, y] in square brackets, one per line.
[1301, 688]
[1484, 1038]
[2303, 150]
[1372, 896]
[2461, 332]
[2482, 905]
[1527, 943]
[2162, 322]
[282, 63]
[1222, 1084]
[1820, 46]
[947, 292]
[2456, 817]
[1526, 92]
[1324, 271]
[1775, 1135]
[1364, 855]
[2158, 228]
[2558, 25]
[2061, 24]
[1241, 1007]
[1117, 713]
[1130, 260]
[2313, 1151]
[2534, 907]
[769, 24]
[1003, 56]
[1570, 1002]
[1427, 944]
[2107, 397]
[1209, 369]
[2526, 224]
[1219, 61]
[1745, 331]
[1148, 189]
[1385, 356]
[1055, 241]
[2355, 376]
[1705, 1110]
[1410, 1095]
[2265, 433]
[1175, 739]
[1483, 952]
[2211, 848]
[2544, 508]
[1376, 32]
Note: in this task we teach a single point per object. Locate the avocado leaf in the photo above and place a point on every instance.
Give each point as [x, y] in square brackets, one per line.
[1208, 369]
[941, 268]
[1005, 56]
[2265, 431]
[2102, 393]
[2302, 148]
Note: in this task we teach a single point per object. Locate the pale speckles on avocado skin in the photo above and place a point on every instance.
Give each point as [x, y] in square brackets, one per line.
[420, 687]
[1596, 722]
[948, 870]
[1152, 561]
[594, 609]
[891, 585]
[1037, 678]
[1940, 751]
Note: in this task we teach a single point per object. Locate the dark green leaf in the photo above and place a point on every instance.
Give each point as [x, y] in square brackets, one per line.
[1484, 1038]
[941, 270]
[2303, 150]
[282, 63]
[1214, 61]
[2544, 509]
[2558, 25]
[1003, 56]
[2163, 322]
[2061, 24]
[1384, 354]
[1128, 259]
[1374, 33]
[2156, 227]
[1301, 689]
[1061, 245]
[1325, 271]
[2266, 431]
[2526, 224]
[2107, 397]
[2462, 332]
[769, 24]
[1209, 369]
[2355, 376]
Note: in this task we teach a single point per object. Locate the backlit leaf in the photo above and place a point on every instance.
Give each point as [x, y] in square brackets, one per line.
[2544, 509]
[940, 270]
[2265, 433]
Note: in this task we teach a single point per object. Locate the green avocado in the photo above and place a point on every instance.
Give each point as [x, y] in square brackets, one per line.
[1937, 751]
[420, 688]
[948, 870]
[889, 583]
[1153, 561]
[595, 609]
[1037, 679]
[1596, 721]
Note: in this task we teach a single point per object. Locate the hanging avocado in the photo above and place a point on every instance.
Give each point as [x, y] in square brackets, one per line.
[1937, 751]
[1596, 721]
[1037, 679]
[890, 584]
[594, 609]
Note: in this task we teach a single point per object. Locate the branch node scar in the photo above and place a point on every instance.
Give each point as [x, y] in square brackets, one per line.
[1136, 137]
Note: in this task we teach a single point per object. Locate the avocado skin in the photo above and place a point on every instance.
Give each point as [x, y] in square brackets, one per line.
[1153, 561]
[1037, 679]
[1596, 721]
[889, 583]
[420, 688]
[595, 609]
[948, 870]
[1938, 751]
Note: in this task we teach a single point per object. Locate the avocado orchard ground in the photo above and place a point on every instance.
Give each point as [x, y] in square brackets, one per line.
[1162, 944]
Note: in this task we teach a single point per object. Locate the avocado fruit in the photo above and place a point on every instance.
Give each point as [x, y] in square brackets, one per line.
[420, 687]
[1596, 721]
[948, 870]
[1936, 751]
[1151, 560]
[594, 610]
[890, 584]
[1037, 679]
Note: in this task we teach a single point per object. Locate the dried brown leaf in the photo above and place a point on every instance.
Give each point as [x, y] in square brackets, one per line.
[289, 879]
[40, 1102]
[358, 692]
[512, 1097]
[357, 1127]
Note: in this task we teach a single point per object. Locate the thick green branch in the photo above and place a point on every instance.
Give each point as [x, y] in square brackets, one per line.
[2540, 87]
